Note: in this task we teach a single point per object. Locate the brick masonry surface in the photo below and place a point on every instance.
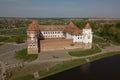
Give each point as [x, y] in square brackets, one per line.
[57, 44]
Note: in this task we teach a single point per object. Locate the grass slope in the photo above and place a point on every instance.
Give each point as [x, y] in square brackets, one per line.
[22, 55]
[85, 52]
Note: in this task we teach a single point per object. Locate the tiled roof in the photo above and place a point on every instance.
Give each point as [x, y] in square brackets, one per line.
[72, 29]
[33, 26]
[51, 27]
[87, 26]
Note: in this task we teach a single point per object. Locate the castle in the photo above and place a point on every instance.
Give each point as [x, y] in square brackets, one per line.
[56, 37]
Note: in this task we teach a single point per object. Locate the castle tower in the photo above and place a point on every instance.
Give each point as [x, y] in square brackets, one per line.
[32, 38]
[87, 36]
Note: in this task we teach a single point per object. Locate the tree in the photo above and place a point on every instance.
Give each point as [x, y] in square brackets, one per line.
[112, 31]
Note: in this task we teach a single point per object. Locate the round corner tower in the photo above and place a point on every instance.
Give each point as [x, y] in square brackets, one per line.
[87, 36]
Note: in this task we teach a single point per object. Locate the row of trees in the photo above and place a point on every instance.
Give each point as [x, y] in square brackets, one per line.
[110, 32]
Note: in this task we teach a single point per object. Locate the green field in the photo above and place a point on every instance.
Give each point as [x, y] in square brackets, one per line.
[94, 50]
[22, 55]
[98, 40]
[15, 31]
[15, 38]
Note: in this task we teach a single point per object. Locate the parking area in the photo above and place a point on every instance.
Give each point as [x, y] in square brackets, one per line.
[48, 55]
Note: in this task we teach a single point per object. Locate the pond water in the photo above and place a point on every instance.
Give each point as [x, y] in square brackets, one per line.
[104, 69]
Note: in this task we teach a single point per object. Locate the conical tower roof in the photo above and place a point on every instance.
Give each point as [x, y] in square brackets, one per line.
[33, 26]
[71, 24]
[87, 26]
[72, 29]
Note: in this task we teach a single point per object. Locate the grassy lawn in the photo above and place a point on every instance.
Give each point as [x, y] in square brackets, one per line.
[3, 39]
[22, 55]
[56, 69]
[85, 52]
[16, 31]
[98, 40]
[115, 43]
[12, 38]
[61, 67]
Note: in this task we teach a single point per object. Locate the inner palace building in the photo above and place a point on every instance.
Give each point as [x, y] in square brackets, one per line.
[57, 37]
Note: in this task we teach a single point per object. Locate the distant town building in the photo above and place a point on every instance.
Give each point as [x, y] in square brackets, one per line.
[55, 37]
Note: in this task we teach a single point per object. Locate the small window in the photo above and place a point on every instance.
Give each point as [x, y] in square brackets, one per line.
[88, 37]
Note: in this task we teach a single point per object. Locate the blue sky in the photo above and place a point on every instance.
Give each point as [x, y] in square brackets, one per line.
[60, 8]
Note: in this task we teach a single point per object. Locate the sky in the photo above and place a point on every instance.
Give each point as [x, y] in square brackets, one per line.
[60, 8]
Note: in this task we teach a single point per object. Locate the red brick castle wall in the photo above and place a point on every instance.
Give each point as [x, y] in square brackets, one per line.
[58, 44]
